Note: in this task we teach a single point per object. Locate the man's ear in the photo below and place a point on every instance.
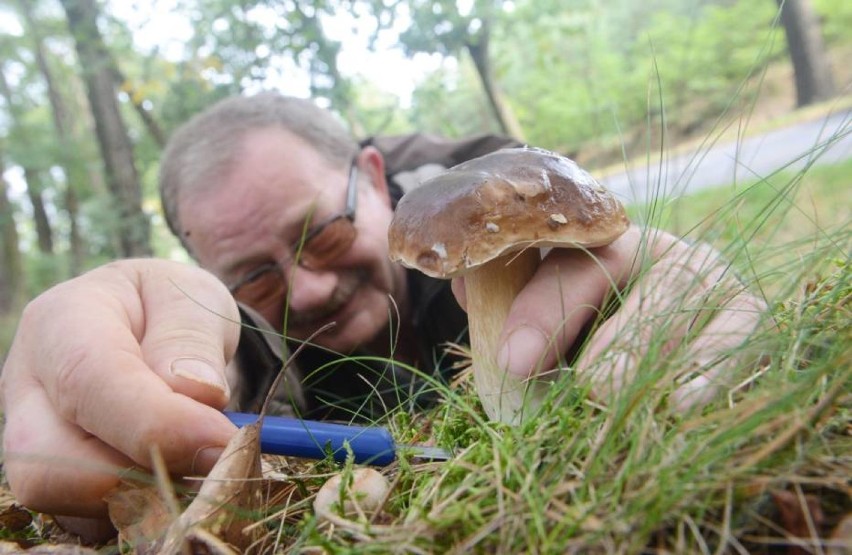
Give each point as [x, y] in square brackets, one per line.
[372, 163]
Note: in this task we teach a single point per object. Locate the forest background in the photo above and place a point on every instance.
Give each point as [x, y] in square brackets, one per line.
[86, 105]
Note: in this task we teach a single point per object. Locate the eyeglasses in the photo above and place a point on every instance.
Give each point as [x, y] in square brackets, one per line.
[317, 249]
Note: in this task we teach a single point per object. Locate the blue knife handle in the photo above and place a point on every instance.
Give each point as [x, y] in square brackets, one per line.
[310, 439]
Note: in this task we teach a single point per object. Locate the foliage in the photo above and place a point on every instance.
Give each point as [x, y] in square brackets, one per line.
[575, 73]
[836, 19]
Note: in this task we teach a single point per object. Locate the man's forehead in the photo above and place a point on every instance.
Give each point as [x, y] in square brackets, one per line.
[283, 144]
[271, 189]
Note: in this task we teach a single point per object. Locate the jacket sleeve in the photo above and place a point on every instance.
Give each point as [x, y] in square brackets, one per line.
[261, 355]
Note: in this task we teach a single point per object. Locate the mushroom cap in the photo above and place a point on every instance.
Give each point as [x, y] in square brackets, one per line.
[502, 202]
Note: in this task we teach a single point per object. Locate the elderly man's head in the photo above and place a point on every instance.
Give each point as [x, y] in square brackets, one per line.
[273, 195]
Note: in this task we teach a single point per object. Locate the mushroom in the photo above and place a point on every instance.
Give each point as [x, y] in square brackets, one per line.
[363, 492]
[486, 219]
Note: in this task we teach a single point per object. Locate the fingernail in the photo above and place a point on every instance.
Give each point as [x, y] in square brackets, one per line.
[523, 351]
[198, 370]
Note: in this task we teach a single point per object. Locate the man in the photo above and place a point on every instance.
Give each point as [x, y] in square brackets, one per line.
[271, 196]
[309, 186]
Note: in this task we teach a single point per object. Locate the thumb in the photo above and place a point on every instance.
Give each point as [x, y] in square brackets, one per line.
[191, 331]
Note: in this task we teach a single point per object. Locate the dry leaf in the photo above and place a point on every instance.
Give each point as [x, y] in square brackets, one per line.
[140, 515]
[15, 518]
[841, 539]
[229, 496]
[201, 541]
[795, 520]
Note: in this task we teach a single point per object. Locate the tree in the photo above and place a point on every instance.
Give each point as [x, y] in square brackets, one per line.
[11, 268]
[807, 52]
[99, 75]
[28, 142]
[242, 44]
[62, 125]
[441, 27]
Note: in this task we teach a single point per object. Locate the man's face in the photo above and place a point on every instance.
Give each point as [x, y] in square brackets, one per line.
[258, 214]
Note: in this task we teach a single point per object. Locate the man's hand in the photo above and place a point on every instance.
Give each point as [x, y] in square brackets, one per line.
[684, 294]
[108, 365]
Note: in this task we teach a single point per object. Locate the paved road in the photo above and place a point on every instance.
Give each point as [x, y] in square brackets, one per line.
[829, 139]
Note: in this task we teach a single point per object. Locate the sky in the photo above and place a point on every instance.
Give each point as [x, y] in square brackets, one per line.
[155, 23]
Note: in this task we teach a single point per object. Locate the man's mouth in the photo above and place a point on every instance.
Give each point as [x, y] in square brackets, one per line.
[342, 295]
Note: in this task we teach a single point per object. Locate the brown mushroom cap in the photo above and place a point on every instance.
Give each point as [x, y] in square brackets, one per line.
[500, 203]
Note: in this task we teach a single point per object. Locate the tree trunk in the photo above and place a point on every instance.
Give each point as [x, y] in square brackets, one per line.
[113, 139]
[62, 125]
[44, 233]
[11, 268]
[506, 119]
[807, 52]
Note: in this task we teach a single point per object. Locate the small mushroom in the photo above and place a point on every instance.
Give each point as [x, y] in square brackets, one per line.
[363, 493]
[491, 215]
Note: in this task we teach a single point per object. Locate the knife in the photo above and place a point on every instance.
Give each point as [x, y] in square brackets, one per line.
[373, 445]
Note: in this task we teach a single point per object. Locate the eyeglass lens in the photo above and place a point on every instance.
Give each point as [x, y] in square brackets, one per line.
[319, 251]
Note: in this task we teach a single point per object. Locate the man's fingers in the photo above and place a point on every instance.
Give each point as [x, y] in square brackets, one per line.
[45, 454]
[563, 296]
[655, 316]
[191, 332]
[687, 303]
[96, 376]
[714, 357]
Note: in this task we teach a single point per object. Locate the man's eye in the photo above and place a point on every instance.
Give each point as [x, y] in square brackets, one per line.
[256, 276]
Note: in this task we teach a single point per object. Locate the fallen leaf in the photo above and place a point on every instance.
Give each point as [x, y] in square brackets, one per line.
[201, 541]
[798, 523]
[15, 518]
[228, 498]
[140, 515]
[840, 542]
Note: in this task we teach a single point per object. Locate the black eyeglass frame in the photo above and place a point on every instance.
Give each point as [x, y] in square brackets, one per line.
[349, 212]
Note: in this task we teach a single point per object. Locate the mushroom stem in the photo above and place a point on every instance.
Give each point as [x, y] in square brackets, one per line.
[490, 291]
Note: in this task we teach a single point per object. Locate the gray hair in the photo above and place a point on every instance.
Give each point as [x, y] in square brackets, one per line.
[203, 150]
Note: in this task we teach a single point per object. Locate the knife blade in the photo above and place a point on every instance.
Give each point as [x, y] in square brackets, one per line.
[373, 445]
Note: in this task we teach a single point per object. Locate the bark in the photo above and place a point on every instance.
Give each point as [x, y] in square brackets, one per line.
[44, 232]
[812, 71]
[11, 267]
[113, 139]
[506, 119]
[62, 125]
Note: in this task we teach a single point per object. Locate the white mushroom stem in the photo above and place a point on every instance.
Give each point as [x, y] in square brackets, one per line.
[490, 290]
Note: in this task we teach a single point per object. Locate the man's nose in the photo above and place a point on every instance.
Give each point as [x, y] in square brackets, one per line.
[309, 289]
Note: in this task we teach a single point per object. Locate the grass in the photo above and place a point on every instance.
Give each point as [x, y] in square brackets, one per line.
[635, 476]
